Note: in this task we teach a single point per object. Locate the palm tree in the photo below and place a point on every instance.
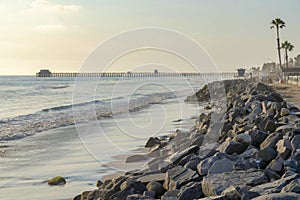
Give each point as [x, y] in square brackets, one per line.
[287, 47]
[278, 24]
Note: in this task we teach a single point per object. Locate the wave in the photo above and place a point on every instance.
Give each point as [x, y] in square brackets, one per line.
[66, 115]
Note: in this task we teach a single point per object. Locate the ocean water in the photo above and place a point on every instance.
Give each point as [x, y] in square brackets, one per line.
[76, 128]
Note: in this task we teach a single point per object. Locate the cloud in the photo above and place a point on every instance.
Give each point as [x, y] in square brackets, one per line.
[45, 5]
[51, 27]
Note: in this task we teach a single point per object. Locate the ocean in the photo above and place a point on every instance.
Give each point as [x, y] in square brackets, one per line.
[81, 128]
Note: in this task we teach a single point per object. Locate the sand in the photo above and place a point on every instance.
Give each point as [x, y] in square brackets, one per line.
[291, 93]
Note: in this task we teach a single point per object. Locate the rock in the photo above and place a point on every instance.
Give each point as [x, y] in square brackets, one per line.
[138, 197]
[151, 142]
[271, 140]
[135, 158]
[250, 152]
[245, 164]
[215, 184]
[99, 183]
[159, 177]
[191, 191]
[293, 186]
[284, 148]
[179, 176]
[273, 187]
[270, 126]
[58, 180]
[193, 164]
[279, 196]
[156, 187]
[78, 197]
[276, 165]
[284, 112]
[267, 154]
[257, 137]
[220, 197]
[221, 166]
[205, 164]
[230, 147]
[170, 195]
[176, 157]
[244, 139]
[295, 142]
[149, 194]
[271, 175]
[231, 193]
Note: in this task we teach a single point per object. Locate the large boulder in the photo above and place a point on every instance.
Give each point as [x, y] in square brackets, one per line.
[156, 187]
[231, 147]
[221, 166]
[273, 187]
[215, 184]
[244, 139]
[178, 176]
[192, 190]
[267, 154]
[271, 140]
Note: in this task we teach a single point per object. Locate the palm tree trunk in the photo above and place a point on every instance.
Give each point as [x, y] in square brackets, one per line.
[278, 47]
[286, 58]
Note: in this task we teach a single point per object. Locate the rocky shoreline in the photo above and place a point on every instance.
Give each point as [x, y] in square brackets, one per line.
[245, 148]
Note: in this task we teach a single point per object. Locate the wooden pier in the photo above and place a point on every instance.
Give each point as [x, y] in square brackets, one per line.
[47, 73]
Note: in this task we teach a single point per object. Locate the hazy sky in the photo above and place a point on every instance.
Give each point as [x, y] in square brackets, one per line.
[60, 34]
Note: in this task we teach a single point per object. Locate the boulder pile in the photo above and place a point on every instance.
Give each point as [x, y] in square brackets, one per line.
[246, 149]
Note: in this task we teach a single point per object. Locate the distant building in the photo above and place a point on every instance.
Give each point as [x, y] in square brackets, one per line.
[44, 73]
[292, 71]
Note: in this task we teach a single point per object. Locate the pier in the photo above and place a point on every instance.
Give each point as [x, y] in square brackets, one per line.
[47, 73]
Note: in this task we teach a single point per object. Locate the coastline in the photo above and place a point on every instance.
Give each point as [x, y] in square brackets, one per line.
[255, 154]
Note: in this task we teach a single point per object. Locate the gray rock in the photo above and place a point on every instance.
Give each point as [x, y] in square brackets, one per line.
[284, 112]
[231, 193]
[273, 187]
[267, 154]
[231, 147]
[244, 139]
[279, 196]
[205, 164]
[295, 142]
[221, 166]
[257, 137]
[293, 186]
[284, 148]
[271, 140]
[151, 142]
[270, 126]
[156, 187]
[250, 152]
[192, 164]
[220, 197]
[191, 191]
[149, 194]
[170, 195]
[176, 157]
[138, 197]
[135, 158]
[152, 177]
[215, 184]
[276, 165]
[179, 176]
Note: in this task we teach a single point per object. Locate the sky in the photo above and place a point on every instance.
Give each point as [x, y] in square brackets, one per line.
[60, 34]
